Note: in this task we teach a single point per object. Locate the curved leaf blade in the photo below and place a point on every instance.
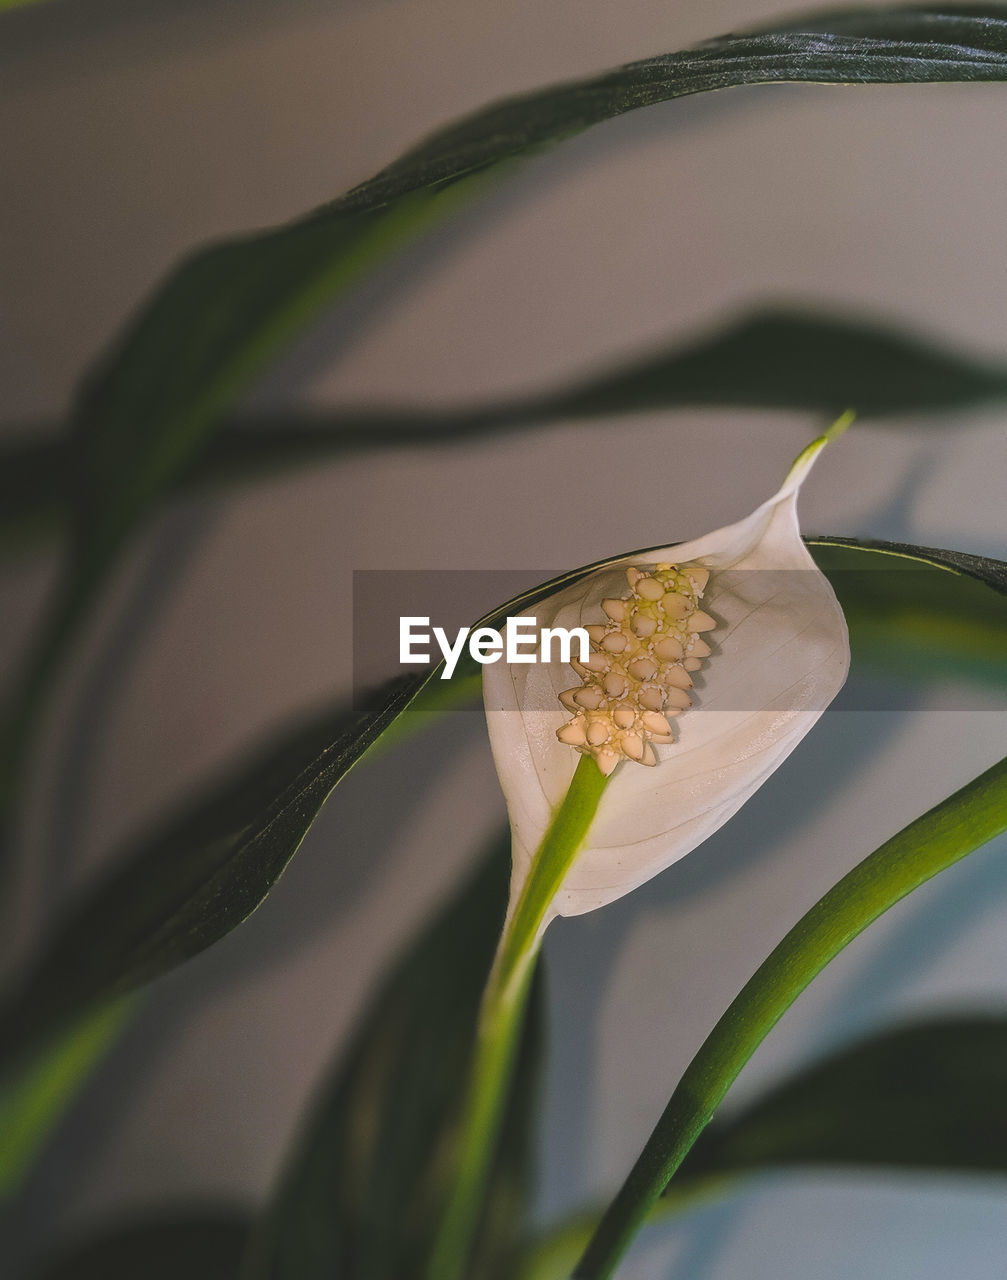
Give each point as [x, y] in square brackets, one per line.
[928, 1096]
[925, 1096]
[992, 573]
[197, 877]
[945, 834]
[792, 358]
[781, 358]
[920, 612]
[224, 313]
[363, 1193]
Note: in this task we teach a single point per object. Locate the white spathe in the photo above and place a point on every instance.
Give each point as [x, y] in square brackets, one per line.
[780, 655]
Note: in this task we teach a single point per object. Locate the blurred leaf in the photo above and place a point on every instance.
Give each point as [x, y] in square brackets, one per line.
[945, 834]
[929, 1096]
[32, 1106]
[225, 312]
[197, 876]
[798, 359]
[147, 407]
[363, 1193]
[777, 359]
[179, 889]
[920, 612]
[187, 1244]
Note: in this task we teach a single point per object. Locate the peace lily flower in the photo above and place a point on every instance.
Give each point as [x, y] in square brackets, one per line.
[709, 662]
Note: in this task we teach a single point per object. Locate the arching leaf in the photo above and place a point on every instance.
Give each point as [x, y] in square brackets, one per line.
[362, 1194]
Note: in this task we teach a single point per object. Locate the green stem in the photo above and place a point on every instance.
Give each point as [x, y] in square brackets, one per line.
[501, 1017]
[554, 1254]
[942, 836]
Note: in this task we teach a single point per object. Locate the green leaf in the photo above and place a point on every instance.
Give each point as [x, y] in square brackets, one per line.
[991, 573]
[148, 406]
[228, 309]
[927, 1096]
[920, 612]
[776, 359]
[364, 1190]
[196, 877]
[797, 359]
[32, 1106]
[936, 840]
[194, 1244]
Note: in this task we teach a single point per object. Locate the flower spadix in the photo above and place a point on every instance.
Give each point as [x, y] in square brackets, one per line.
[710, 661]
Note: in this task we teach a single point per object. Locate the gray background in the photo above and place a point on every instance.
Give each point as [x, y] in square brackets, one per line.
[134, 130]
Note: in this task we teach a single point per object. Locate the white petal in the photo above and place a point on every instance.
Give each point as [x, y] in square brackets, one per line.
[780, 655]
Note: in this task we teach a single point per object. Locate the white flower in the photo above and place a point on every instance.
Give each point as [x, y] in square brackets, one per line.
[772, 655]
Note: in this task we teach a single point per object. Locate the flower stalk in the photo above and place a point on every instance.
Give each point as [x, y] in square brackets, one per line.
[780, 655]
[501, 1017]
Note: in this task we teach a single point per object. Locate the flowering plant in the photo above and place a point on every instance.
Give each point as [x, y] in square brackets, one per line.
[709, 662]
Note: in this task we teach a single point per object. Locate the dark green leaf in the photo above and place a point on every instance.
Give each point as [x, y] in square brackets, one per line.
[146, 409]
[929, 1096]
[176, 892]
[918, 611]
[188, 1244]
[950, 831]
[796, 359]
[832, 554]
[779, 359]
[363, 1193]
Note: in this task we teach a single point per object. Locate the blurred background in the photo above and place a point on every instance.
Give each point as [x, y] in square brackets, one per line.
[136, 129]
